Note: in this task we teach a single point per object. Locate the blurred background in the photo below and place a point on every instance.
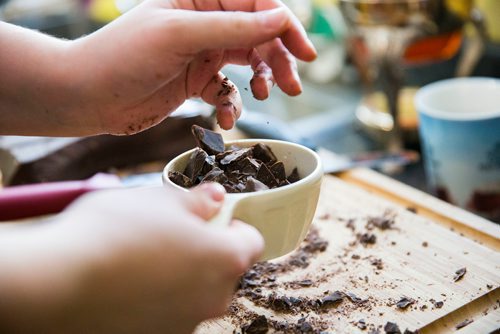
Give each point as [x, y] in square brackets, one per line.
[358, 95]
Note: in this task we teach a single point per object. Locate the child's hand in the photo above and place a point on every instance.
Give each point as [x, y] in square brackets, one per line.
[130, 261]
[134, 72]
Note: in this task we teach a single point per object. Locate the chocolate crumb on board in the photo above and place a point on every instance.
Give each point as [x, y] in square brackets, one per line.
[412, 209]
[391, 328]
[407, 331]
[464, 323]
[459, 274]
[489, 286]
[367, 238]
[404, 302]
[258, 326]
[425, 244]
[384, 222]
[361, 324]
[377, 263]
[332, 299]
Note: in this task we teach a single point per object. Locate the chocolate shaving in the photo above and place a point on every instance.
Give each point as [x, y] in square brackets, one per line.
[404, 302]
[361, 324]
[459, 274]
[353, 298]
[464, 323]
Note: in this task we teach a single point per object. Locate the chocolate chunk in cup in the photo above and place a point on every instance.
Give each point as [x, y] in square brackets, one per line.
[283, 214]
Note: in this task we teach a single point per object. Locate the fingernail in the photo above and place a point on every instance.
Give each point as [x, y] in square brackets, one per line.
[270, 85]
[215, 190]
[274, 19]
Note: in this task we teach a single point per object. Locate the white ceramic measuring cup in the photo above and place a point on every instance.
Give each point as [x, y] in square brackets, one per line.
[282, 215]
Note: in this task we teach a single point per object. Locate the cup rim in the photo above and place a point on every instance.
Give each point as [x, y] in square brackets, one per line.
[317, 171]
[424, 108]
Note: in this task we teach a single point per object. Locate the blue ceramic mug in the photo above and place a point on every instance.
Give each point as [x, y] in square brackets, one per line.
[460, 137]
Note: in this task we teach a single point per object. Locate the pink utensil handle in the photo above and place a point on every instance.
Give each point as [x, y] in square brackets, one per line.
[47, 198]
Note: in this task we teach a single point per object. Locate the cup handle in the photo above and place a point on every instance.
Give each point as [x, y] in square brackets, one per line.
[225, 215]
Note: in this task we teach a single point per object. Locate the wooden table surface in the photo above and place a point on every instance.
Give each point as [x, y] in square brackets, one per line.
[419, 256]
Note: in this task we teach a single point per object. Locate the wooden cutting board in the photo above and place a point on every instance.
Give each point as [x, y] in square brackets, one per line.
[416, 258]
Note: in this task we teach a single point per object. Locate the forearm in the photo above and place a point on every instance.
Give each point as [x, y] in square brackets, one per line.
[38, 87]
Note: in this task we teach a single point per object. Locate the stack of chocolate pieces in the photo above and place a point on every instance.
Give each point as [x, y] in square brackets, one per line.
[239, 170]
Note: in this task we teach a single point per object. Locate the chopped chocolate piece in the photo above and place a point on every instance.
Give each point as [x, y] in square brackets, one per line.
[281, 303]
[278, 170]
[404, 302]
[235, 156]
[254, 185]
[265, 176]
[355, 257]
[237, 169]
[368, 238]
[209, 164]
[332, 299]
[464, 323]
[247, 166]
[195, 164]
[425, 244]
[439, 304]
[215, 175]
[294, 176]
[391, 328]
[361, 324]
[210, 141]
[353, 298]
[263, 153]
[231, 189]
[180, 179]
[459, 274]
[258, 326]
[304, 326]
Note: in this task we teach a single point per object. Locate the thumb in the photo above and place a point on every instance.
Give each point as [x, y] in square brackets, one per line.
[199, 31]
[248, 240]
